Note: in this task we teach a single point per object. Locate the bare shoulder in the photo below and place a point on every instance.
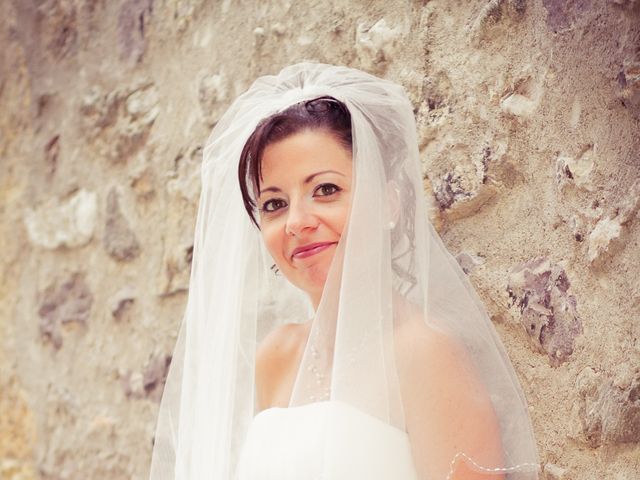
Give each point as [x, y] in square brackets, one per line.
[420, 341]
[277, 358]
[447, 409]
[427, 355]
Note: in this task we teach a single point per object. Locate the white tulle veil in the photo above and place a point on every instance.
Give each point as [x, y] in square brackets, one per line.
[389, 262]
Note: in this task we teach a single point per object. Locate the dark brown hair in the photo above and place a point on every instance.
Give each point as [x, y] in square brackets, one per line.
[322, 113]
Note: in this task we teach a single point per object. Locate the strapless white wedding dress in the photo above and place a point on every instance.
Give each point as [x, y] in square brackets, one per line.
[326, 440]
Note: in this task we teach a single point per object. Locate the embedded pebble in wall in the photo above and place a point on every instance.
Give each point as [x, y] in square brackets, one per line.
[629, 81]
[631, 70]
[605, 231]
[492, 13]
[150, 382]
[51, 152]
[587, 381]
[463, 190]
[539, 290]
[305, 40]
[134, 124]
[376, 45]
[519, 105]
[132, 20]
[99, 109]
[184, 181]
[259, 37]
[64, 303]
[525, 92]
[142, 182]
[212, 94]
[576, 171]
[119, 121]
[576, 224]
[450, 188]
[610, 227]
[177, 269]
[554, 472]
[468, 261]
[70, 223]
[520, 6]
[611, 413]
[183, 188]
[119, 240]
[60, 31]
[121, 302]
[278, 28]
[132, 384]
[155, 376]
[562, 15]
[142, 105]
[630, 204]
[183, 14]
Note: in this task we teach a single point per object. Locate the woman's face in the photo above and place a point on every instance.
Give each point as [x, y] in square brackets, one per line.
[304, 201]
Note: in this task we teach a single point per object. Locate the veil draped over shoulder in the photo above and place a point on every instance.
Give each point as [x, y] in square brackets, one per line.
[390, 273]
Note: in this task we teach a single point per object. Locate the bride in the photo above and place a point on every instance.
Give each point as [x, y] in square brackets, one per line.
[328, 334]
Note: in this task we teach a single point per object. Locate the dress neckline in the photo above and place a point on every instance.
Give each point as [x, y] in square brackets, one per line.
[324, 404]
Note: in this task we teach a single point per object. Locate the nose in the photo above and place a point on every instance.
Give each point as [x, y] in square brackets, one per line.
[300, 218]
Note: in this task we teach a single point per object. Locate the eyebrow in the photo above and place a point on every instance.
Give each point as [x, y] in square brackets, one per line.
[306, 180]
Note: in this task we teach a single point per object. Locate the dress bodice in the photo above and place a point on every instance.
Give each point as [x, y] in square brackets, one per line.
[327, 440]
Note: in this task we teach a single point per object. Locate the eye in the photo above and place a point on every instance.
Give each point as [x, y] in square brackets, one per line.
[273, 205]
[326, 189]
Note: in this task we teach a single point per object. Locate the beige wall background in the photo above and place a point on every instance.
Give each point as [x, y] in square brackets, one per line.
[529, 123]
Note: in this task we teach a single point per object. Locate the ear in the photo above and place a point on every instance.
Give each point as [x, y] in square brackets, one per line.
[393, 197]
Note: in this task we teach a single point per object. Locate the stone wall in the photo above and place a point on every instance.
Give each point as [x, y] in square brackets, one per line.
[529, 123]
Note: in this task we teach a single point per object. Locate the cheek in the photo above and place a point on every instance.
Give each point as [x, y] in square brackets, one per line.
[272, 239]
[339, 219]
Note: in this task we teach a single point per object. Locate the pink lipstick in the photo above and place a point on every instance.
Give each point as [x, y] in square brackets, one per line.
[311, 249]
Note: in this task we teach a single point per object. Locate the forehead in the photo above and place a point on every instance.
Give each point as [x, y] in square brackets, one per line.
[305, 151]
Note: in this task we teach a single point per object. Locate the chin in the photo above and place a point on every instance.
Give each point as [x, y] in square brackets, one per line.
[314, 281]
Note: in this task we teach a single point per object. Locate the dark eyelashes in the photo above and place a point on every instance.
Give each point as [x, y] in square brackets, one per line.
[331, 186]
[322, 190]
[265, 206]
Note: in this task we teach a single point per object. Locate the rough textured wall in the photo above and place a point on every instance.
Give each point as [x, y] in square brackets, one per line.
[529, 116]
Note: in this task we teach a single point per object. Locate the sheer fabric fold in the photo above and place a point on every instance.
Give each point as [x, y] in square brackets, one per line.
[390, 270]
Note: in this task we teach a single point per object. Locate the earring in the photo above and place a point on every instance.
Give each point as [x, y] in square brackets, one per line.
[392, 225]
[275, 270]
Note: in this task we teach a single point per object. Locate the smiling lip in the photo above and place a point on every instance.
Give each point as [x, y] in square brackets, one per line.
[311, 249]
